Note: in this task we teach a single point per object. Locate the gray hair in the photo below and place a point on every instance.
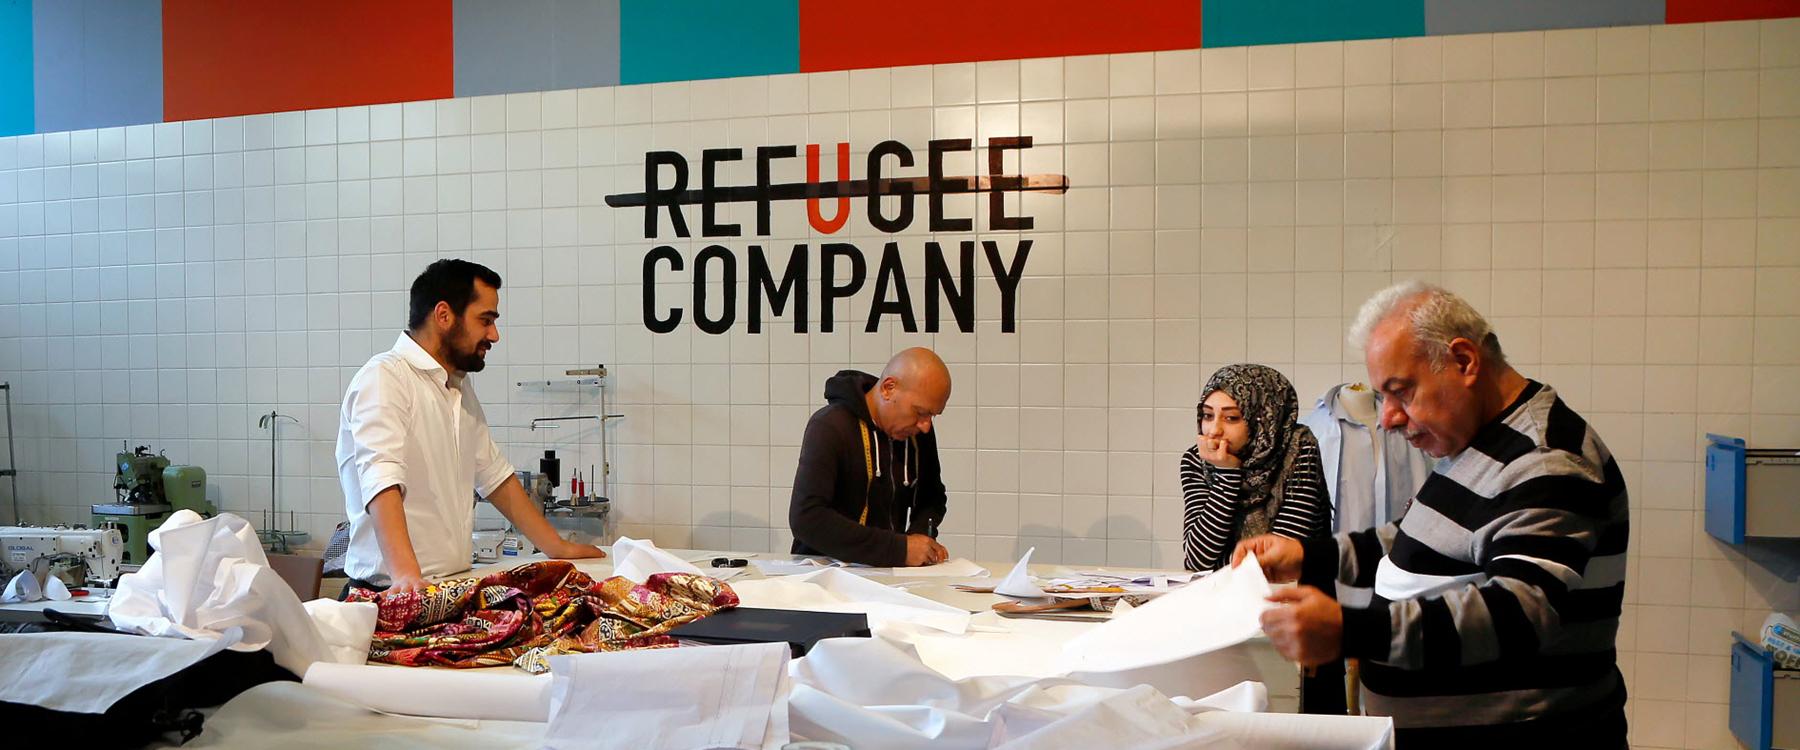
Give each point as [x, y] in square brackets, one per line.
[1437, 317]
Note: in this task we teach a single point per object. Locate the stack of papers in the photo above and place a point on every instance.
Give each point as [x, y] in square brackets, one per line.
[671, 698]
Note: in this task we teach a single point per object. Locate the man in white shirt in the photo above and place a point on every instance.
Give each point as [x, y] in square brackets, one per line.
[413, 446]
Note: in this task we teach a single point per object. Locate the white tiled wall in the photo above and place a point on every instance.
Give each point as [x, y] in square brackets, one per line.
[1624, 203]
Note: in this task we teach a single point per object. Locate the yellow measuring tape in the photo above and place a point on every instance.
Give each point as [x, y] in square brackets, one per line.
[868, 471]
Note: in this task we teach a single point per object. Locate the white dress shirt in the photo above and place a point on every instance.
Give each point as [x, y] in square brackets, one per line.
[1367, 489]
[407, 421]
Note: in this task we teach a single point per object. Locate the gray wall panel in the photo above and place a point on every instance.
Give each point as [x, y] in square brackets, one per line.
[1479, 16]
[97, 63]
[535, 45]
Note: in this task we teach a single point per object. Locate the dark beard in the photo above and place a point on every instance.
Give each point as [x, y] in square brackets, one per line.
[465, 361]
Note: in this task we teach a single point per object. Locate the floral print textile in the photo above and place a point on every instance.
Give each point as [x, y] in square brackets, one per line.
[523, 615]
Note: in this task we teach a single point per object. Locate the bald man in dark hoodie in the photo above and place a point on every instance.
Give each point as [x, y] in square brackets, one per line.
[869, 488]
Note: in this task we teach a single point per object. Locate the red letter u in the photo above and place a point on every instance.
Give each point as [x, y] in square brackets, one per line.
[813, 214]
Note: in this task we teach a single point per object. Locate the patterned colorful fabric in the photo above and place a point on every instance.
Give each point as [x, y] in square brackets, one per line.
[523, 615]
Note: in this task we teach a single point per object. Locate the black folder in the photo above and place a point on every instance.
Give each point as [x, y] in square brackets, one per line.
[800, 629]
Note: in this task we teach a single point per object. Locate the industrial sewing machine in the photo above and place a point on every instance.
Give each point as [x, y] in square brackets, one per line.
[77, 556]
[148, 491]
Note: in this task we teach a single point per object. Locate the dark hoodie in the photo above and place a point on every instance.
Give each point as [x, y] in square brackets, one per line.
[898, 482]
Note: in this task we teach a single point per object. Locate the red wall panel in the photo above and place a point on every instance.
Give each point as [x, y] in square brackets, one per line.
[838, 35]
[230, 57]
[1696, 11]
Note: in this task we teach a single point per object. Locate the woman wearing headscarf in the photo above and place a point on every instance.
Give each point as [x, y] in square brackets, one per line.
[1253, 469]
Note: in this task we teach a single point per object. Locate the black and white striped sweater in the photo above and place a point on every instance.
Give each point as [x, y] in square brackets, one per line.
[1212, 519]
[1496, 599]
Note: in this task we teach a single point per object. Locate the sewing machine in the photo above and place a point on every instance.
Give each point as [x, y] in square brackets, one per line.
[46, 550]
[148, 490]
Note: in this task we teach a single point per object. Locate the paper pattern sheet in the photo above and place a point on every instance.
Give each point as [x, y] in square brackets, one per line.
[671, 699]
[503, 694]
[1219, 610]
[837, 590]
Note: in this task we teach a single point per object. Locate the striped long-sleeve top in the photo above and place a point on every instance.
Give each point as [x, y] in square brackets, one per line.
[1212, 516]
[1496, 598]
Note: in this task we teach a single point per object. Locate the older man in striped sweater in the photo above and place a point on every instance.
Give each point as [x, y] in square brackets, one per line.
[1486, 616]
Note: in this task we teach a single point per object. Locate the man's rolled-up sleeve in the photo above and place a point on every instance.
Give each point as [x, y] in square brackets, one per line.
[375, 414]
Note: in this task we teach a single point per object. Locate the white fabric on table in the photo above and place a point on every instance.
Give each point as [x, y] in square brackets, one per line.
[638, 559]
[291, 716]
[209, 575]
[88, 672]
[701, 698]
[1212, 613]
[837, 590]
[502, 694]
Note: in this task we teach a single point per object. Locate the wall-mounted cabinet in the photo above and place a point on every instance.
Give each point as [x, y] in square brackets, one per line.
[1765, 699]
[1751, 492]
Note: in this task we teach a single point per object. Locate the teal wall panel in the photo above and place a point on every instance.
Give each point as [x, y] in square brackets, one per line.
[17, 111]
[1233, 23]
[682, 40]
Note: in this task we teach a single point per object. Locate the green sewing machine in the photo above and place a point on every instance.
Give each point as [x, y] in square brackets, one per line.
[148, 490]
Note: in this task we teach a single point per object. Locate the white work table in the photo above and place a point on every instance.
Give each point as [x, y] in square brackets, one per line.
[1255, 659]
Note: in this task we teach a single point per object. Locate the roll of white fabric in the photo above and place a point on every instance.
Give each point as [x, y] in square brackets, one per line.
[504, 695]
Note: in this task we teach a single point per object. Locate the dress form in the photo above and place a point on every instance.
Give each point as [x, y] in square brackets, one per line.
[1359, 402]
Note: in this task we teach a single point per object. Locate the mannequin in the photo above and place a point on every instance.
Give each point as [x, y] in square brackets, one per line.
[1359, 400]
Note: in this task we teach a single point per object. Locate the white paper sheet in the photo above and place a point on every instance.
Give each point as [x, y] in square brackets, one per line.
[875, 694]
[638, 559]
[88, 672]
[208, 575]
[1220, 610]
[671, 699]
[345, 627]
[292, 716]
[1018, 582]
[23, 587]
[837, 590]
[508, 694]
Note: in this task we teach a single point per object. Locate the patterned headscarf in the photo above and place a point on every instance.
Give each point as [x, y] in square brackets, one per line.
[1270, 409]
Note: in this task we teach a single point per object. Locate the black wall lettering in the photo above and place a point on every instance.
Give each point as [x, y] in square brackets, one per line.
[656, 324]
[1001, 183]
[939, 222]
[793, 283]
[829, 291]
[938, 279]
[1008, 280]
[904, 190]
[671, 196]
[893, 273]
[708, 323]
[711, 193]
[764, 155]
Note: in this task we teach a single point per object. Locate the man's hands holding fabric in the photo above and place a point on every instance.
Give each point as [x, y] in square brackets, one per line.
[923, 550]
[407, 582]
[1279, 555]
[564, 549]
[1307, 627]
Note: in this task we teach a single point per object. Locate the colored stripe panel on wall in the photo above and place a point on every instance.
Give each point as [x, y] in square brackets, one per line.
[838, 35]
[98, 63]
[687, 40]
[1487, 16]
[1234, 23]
[503, 47]
[1696, 11]
[227, 57]
[16, 105]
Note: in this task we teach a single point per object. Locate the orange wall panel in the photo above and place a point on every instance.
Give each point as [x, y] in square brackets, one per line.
[837, 35]
[229, 57]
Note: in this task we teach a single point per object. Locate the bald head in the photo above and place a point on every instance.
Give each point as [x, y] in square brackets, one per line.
[914, 388]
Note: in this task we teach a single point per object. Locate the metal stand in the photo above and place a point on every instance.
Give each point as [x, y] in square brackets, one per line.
[275, 540]
[588, 517]
[11, 472]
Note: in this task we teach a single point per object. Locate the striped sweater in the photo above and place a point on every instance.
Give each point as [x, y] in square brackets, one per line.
[1212, 518]
[1496, 598]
